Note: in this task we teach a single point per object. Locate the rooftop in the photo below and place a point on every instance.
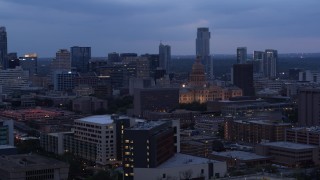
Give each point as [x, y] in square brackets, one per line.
[289, 145]
[28, 161]
[239, 155]
[315, 129]
[98, 119]
[179, 160]
[147, 125]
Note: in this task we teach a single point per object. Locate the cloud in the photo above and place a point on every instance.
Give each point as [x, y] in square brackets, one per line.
[139, 25]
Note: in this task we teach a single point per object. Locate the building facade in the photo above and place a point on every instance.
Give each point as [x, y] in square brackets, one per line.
[3, 48]
[203, 50]
[290, 154]
[270, 63]
[31, 167]
[80, 57]
[155, 99]
[99, 130]
[254, 131]
[29, 62]
[309, 107]
[62, 61]
[242, 77]
[164, 57]
[6, 132]
[147, 145]
[241, 55]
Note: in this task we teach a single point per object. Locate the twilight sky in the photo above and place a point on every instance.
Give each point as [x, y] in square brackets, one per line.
[44, 26]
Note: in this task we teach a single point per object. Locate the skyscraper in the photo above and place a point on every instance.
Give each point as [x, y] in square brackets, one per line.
[62, 61]
[3, 48]
[270, 63]
[29, 63]
[241, 55]
[164, 56]
[203, 50]
[258, 58]
[80, 57]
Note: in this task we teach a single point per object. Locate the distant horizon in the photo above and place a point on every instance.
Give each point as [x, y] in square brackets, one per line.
[176, 56]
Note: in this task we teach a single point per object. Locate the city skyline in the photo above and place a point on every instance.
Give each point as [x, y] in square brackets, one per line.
[139, 26]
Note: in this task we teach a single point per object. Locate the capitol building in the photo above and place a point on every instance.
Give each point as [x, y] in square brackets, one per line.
[199, 90]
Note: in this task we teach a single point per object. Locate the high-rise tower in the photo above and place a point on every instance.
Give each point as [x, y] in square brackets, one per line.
[203, 50]
[164, 57]
[241, 55]
[80, 57]
[270, 63]
[3, 48]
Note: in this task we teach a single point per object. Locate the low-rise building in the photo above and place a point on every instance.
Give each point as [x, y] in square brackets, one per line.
[304, 135]
[254, 131]
[31, 166]
[238, 158]
[290, 154]
[181, 166]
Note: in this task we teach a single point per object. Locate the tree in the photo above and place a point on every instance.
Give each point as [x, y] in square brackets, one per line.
[186, 174]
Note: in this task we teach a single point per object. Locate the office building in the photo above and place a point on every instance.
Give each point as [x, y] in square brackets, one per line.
[155, 99]
[97, 139]
[31, 167]
[113, 57]
[309, 107]
[164, 57]
[258, 59]
[101, 131]
[239, 158]
[290, 154]
[3, 48]
[89, 104]
[203, 50]
[6, 132]
[242, 77]
[142, 67]
[241, 55]
[254, 131]
[64, 80]
[127, 56]
[294, 73]
[13, 60]
[147, 145]
[62, 61]
[29, 63]
[14, 79]
[270, 63]
[80, 57]
[309, 76]
[304, 135]
[250, 107]
[154, 63]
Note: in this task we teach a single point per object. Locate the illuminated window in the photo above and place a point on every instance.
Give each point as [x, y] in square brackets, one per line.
[126, 141]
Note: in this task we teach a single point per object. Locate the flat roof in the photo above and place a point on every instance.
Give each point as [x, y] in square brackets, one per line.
[239, 155]
[289, 145]
[147, 125]
[98, 119]
[183, 159]
[28, 161]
